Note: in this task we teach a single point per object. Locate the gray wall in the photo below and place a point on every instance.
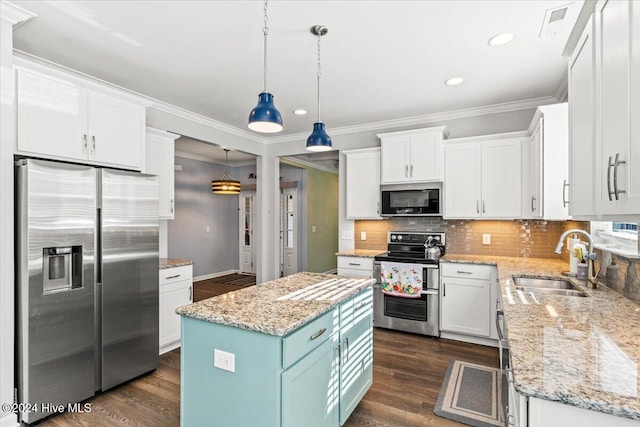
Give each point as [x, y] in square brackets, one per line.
[197, 208]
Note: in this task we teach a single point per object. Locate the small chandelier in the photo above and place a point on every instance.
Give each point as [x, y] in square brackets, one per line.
[227, 184]
[265, 117]
[319, 140]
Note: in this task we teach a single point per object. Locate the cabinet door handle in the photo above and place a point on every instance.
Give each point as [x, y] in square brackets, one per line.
[84, 143]
[354, 263]
[171, 205]
[172, 277]
[565, 202]
[93, 144]
[464, 272]
[533, 209]
[189, 293]
[359, 306]
[346, 350]
[477, 206]
[609, 166]
[406, 171]
[483, 207]
[411, 171]
[378, 208]
[499, 313]
[444, 289]
[617, 163]
[318, 334]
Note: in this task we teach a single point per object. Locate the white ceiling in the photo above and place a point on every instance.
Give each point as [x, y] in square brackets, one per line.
[382, 60]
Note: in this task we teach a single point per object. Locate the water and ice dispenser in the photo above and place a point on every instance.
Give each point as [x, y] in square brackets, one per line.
[61, 269]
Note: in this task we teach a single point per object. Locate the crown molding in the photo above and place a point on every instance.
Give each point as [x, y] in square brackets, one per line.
[190, 156]
[427, 118]
[14, 14]
[204, 120]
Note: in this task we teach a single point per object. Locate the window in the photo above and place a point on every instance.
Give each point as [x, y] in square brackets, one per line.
[626, 227]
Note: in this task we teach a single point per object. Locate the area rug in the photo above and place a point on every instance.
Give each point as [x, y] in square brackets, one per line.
[471, 394]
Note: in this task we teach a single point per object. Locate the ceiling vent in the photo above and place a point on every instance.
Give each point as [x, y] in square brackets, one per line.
[557, 20]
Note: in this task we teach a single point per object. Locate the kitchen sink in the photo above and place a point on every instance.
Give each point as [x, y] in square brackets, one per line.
[547, 286]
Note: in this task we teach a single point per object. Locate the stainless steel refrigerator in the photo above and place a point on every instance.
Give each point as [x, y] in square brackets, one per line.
[86, 281]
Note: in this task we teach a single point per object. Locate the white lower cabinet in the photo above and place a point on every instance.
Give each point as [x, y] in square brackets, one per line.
[176, 289]
[467, 302]
[355, 266]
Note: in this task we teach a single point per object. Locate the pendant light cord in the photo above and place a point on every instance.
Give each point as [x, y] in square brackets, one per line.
[265, 31]
[318, 75]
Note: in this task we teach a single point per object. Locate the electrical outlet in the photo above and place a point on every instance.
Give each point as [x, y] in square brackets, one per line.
[363, 235]
[207, 228]
[224, 360]
[313, 228]
[486, 239]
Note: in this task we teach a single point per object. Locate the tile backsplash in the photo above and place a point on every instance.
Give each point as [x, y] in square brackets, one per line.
[521, 238]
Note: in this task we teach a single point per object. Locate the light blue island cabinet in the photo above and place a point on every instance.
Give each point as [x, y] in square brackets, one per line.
[296, 351]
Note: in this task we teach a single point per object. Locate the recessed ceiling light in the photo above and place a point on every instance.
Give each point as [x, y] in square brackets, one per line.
[300, 112]
[501, 39]
[454, 81]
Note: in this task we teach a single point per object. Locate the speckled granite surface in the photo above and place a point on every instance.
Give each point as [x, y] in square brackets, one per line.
[364, 253]
[579, 351]
[173, 262]
[261, 308]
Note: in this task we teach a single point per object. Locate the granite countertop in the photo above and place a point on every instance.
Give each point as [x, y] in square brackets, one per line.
[364, 253]
[578, 351]
[280, 306]
[173, 262]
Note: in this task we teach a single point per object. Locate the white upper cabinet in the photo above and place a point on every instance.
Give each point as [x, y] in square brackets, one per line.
[160, 156]
[545, 191]
[363, 183]
[483, 178]
[62, 119]
[582, 125]
[617, 121]
[412, 156]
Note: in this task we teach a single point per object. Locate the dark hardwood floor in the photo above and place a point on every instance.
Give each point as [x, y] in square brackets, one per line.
[208, 288]
[407, 374]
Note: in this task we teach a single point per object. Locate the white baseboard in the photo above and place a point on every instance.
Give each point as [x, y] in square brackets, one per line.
[170, 347]
[212, 275]
[9, 420]
[469, 338]
[334, 271]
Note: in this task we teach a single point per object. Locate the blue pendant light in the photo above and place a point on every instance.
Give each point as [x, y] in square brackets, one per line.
[319, 140]
[265, 117]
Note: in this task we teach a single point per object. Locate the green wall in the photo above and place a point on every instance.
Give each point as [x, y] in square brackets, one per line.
[322, 212]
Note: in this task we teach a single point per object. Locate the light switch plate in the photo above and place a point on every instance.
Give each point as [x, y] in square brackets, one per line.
[486, 239]
[224, 360]
[363, 235]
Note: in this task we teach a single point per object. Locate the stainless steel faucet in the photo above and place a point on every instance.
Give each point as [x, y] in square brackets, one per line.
[591, 256]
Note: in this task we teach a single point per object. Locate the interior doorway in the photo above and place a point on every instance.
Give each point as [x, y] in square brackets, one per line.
[288, 231]
[247, 247]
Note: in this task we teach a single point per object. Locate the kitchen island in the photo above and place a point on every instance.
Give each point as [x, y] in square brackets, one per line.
[573, 359]
[290, 352]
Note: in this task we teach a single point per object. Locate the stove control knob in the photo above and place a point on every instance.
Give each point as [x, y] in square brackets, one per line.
[400, 237]
[393, 237]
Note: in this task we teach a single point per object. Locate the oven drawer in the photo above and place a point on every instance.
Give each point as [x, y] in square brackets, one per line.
[468, 271]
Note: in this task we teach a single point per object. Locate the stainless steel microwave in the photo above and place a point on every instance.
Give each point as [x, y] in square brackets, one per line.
[412, 200]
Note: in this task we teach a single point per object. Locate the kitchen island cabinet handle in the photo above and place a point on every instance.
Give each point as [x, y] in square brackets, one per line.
[172, 277]
[346, 350]
[318, 334]
[359, 306]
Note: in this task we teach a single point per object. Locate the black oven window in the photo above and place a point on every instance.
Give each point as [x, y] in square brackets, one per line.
[406, 308]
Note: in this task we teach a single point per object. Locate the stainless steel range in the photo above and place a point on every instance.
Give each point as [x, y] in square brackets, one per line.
[412, 261]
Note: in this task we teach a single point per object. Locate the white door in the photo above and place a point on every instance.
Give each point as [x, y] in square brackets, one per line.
[534, 205]
[465, 306]
[289, 231]
[426, 157]
[246, 231]
[395, 160]
[501, 179]
[462, 180]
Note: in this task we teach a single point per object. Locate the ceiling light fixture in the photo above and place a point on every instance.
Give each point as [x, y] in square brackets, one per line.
[265, 117]
[319, 140]
[227, 184]
[300, 112]
[501, 39]
[454, 81]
